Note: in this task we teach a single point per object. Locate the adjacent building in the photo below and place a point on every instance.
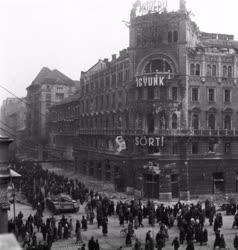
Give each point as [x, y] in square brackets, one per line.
[49, 87]
[162, 117]
[12, 121]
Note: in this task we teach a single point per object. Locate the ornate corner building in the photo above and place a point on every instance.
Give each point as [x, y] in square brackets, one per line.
[171, 96]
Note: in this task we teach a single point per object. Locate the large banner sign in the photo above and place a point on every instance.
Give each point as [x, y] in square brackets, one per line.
[152, 80]
[149, 141]
[120, 144]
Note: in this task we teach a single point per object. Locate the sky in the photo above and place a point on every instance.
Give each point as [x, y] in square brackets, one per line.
[72, 35]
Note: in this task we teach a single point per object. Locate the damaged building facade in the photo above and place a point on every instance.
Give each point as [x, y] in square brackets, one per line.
[171, 99]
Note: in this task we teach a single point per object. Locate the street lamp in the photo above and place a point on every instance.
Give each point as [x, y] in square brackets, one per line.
[187, 181]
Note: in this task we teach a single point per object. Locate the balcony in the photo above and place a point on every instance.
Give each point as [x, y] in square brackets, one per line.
[162, 132]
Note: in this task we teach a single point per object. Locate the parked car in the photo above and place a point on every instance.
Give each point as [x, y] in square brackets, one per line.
[62, 203]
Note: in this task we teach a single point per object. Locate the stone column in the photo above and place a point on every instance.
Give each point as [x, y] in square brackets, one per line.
[184, 182]
[165, 192]
[4, 179]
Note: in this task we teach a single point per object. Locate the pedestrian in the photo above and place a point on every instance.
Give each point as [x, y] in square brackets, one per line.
[78, 235]
[217, 240]
[91, 244]
[190, 245]
[137, 245]
[175, 243]
[235, 243]
[128, 239]
[136, 222]
[181, 235]
[84, 224]
[222, 243]
[104, 226]
[83, 247]
[97, 246]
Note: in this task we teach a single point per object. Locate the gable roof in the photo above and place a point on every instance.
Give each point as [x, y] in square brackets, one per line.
[51, 76]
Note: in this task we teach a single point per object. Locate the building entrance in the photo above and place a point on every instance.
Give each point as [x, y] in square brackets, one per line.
[151, 185]
[218, 183]
[175, 186]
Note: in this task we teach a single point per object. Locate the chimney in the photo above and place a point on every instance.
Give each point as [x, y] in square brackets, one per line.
[182, 6]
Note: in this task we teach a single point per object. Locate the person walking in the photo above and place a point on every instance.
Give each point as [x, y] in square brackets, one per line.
[175, 243]
[222, 243]
[91, 244]
[235, 242]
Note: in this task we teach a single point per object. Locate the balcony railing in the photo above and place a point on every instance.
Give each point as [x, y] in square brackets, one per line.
[162, 132]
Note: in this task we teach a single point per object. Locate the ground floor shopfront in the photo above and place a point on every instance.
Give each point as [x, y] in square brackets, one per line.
[153, 177]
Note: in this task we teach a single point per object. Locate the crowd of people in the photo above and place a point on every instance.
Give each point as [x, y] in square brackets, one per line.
[36, 233]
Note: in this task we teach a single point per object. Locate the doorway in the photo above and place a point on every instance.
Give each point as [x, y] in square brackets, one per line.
[151, 185]
[218, 183]
[175, 185]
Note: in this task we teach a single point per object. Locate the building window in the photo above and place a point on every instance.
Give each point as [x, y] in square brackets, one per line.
[224, 72]
[195, 122]
[120, 77]
[174, 93]
[127, 75]
[195, 94]
[59, 96]
[174, 121]
[114, 79]
[211, 95]
[101, 102]
[175, 36]
[120, 99]
[197, 72]
[48, 97]
[227, 147]
[209, 70]
[214, 70]
[170, 37]
[96, 103]
[107, 101]
[140, 93]
[211, 147]
[151, 93]
[229, 71]
[113, 100]
[192, 69]
[195, 148]
[227, 122]
[211, 121]
[227, 95]
[175, 148]
[107, 82]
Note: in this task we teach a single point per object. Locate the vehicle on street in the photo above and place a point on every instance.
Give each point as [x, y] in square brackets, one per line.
[61, 204]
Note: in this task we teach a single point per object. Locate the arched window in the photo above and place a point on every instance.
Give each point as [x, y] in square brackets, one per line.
[195, 121]
[227, 122]
[175, 36]
[197, 73]
[214, 70]
[224, 72]
[209, 70]
[160, 65]
[192, 69]
[229, 71]
[211, 121]
[174, 121]
[170, 37]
